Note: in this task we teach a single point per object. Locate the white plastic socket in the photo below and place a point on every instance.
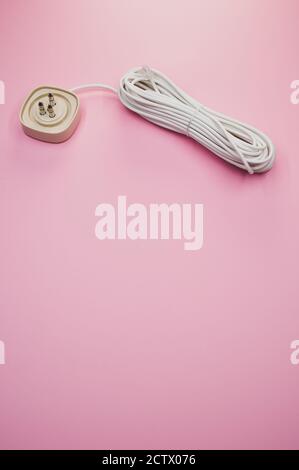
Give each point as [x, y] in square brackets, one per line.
[50, 114]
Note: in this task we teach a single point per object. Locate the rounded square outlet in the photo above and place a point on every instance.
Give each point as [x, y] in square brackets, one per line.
[50, 114]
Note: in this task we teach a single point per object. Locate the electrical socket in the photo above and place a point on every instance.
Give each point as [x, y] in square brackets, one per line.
[50, 114]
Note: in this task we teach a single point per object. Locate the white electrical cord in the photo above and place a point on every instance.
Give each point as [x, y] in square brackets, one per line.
[153, 96]
[94, 85]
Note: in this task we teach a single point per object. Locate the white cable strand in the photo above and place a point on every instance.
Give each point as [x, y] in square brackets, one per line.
[153, 96]
[93, 85]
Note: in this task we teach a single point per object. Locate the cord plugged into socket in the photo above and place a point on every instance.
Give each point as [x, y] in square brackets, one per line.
[50, 114]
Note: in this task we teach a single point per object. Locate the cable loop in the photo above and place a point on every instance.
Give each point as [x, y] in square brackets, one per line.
[153, 96]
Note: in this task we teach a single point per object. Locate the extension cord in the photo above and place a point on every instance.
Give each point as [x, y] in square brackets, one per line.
[153, 96]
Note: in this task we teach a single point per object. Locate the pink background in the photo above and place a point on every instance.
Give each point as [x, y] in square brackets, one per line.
[141, 344]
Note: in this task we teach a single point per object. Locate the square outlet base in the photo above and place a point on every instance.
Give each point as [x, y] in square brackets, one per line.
[55, 124]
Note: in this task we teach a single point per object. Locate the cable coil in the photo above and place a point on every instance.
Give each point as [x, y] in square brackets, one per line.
[153, 96]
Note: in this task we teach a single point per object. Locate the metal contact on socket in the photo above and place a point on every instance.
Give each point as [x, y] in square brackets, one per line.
[41, 108]
[51, 99]
[51, 111]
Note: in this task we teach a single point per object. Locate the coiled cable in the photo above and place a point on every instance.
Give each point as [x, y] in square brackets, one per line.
[153, 96]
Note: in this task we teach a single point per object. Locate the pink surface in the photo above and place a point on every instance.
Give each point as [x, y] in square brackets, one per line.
[127, 344]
